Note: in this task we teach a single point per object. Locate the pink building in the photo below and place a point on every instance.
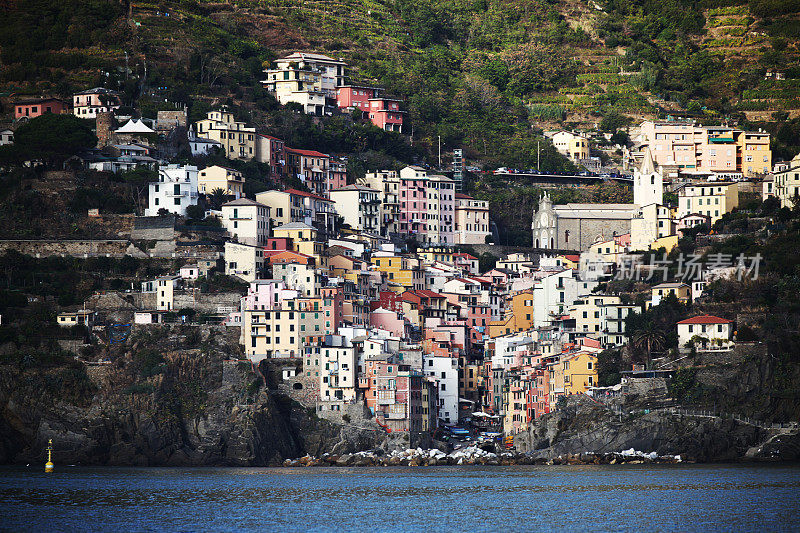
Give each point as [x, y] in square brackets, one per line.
[394, 394]
[263, 294]
[427, 206]
[355, 96]
[337, 174]
[88, 104]
[332, 308]
[687, 145]
[385, 113]
[34, 108]
[390, 321]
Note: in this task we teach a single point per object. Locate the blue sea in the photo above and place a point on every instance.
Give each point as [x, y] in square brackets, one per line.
[517, 498]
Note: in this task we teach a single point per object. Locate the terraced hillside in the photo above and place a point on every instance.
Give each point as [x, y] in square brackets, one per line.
[477, 73]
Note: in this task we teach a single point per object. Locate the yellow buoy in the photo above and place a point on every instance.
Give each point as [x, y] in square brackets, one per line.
[48, 466]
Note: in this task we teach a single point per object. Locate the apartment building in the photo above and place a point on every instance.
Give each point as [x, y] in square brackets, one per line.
[310, 167]
[307, 79]
[710, 199]
[472, 220]
[359, 206]
[237, 140]
[226, 179]
[175, 190]
[686, 145]
[293, 205]
[573, 145]
[387, 182]
[785, 184]
[427, 206]
[87, 104]
[247, 221]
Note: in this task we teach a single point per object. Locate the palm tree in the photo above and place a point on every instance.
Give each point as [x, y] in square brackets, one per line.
[649, 338]
[217, 197]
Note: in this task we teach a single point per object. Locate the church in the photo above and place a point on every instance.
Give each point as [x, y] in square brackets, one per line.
[579, 226]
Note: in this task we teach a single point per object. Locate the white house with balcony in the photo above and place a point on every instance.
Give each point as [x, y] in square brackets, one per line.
[359, 206]
[445, 371]
[247, 220]
[175, 190]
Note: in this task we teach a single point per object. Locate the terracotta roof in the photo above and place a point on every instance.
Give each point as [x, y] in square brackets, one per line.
[308, 194]
[464, 196]
[311, 153]
[705, 319]
[468, 256]
[428, 293]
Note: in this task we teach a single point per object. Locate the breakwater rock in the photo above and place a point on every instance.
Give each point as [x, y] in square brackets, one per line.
[474, 456]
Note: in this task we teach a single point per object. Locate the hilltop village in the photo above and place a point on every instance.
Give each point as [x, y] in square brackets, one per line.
[386, 292]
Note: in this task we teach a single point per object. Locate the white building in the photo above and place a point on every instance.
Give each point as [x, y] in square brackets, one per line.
[165, 292]
[247, 221]
[445, 371]
[303, 278]
[6, 137]
[244, 261]
[202, 146]
[175, 190]
[711, 332]
[555, 293]
[338, 364]
[359, 206]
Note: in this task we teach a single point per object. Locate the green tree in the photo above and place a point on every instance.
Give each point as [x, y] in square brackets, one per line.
[648, 338]
[53, 138]
[217, 197]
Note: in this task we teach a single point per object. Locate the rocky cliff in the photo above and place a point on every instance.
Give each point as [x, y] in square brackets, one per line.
[582, 425]
[168, 397]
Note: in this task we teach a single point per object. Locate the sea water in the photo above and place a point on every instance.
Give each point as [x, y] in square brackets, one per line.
[750, 497]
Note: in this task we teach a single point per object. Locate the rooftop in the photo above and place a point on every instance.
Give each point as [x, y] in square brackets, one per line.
[705, 319]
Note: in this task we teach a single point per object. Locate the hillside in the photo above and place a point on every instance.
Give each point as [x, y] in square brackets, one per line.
[480, 74]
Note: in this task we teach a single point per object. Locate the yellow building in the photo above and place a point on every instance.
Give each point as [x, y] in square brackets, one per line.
[588, 312]
[710, 199]
[668, 243]
[609, 250]
[402, 273]
[271, 334]
[518, 316]
[682, 292]
[580, 372]
[82, 317]
[227, 179]
[572, 145]
[786, 184]
[433, 254]
[237, 140]
[754, 156]
[555, 374]
[304, 240]
[569, 261]
[515, 419]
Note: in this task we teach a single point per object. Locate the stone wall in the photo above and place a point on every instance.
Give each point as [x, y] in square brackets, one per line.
[153, 228]
[73, 248]
[584, 232]
[207, 303]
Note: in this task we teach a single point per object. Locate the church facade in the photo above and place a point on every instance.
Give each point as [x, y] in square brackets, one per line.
[579, 226]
